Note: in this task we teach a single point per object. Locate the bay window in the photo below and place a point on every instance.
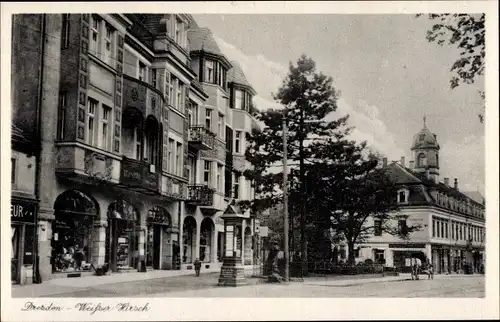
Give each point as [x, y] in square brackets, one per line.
[219, 177]
[94, 35]
[239, 99]
[108, 44]
[102, 40]
[237, 142]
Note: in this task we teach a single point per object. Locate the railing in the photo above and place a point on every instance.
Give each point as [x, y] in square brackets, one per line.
[200, 195]
[201, 137]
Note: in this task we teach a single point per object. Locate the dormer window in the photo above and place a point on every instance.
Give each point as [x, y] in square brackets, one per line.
[209, 71]
[421, 137]
[177, 30]
[403, 195]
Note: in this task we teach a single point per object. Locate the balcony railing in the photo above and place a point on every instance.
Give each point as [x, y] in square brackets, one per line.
[200, 195]
[201, 138]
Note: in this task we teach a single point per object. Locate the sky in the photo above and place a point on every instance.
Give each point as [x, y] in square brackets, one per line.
[388, 74]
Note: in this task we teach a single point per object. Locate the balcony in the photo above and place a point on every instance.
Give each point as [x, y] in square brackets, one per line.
[201, 138]
[142, 96]
[200, 195]
[139, 176]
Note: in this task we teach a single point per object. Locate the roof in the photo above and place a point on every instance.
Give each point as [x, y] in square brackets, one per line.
[202, 39]
[424, 139]
[420, 186]
[237, 76]
[475, 195]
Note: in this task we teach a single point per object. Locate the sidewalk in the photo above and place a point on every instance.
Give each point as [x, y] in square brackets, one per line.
[63, 285]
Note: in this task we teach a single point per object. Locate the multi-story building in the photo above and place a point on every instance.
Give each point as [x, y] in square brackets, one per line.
[452, 225]
[131, 111]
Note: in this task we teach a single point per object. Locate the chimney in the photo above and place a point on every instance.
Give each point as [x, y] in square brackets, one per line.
[447, 182]
[384, 162]
[412, 165]
[455, 184]
[403, 162]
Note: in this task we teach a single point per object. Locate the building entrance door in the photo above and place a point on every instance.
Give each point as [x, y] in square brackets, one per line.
[153, 248]
[14, 261]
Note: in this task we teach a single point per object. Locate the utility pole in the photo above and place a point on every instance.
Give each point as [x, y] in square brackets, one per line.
[285, 197]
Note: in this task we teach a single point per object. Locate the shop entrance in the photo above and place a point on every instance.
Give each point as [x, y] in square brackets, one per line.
[72, 229]
[123, 234]
[14, 261]
[159, 246]
[189, 236]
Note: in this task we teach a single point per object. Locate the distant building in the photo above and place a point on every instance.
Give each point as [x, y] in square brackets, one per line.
[453, 223]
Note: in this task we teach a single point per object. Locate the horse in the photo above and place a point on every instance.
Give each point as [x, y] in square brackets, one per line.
[417, 268]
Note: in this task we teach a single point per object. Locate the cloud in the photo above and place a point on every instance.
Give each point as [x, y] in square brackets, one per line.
[464, 160]
[264, 75]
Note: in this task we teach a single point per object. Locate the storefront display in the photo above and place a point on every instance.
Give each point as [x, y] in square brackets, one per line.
[122, 250]
[72, 230]
[23, 236]
[159, 221]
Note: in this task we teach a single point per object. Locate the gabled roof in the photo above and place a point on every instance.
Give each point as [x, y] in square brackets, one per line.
[237, 76]
[202, 39]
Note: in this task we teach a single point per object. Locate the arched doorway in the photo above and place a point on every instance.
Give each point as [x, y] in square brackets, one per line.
[247, 260]
[158, 247]
[123, 236]
[206, 236]
[189, 239]
[72, 229]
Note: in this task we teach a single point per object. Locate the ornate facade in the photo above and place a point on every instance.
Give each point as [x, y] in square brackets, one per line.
[135, 139]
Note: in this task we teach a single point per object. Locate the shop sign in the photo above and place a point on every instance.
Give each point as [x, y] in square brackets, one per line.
[137, 174]
[22, 211]
[407, 245]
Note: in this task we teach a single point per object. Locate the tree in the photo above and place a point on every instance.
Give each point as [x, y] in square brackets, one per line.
[466, 32]
[351, 194]
[307, 96]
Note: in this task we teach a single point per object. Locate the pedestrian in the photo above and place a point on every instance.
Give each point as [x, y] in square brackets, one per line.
[197, 267]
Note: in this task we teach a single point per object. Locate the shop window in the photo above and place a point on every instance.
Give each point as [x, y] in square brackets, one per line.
[73, 231]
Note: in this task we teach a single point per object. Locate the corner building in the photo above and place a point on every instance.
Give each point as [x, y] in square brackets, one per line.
[134, 147]
[453, 230]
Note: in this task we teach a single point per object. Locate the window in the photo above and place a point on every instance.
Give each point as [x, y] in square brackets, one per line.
[237, 142]
[421, 160]
[105, 120]
[142, 72]
[239, 100]
[236, 188]
[207, 173]
[438, 230]
[92, 107]
[168, 88]
[62, 115]
[457, 228]
[94, 35]
[192, 170]
[178, 159]
[452, 230]
[208, 119]
[138, 143]
[442, 230]
[460, 232]
[433, 227]
[403, 228]
[171, 158]
[153, 77]
[421, 137]
[65, 31]
[180, 96]
[402, 196]
[219, 177]
[378, 227]
[220, 126]
[13, 171]
[153, 103]
[108, 44]
[209, 71]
